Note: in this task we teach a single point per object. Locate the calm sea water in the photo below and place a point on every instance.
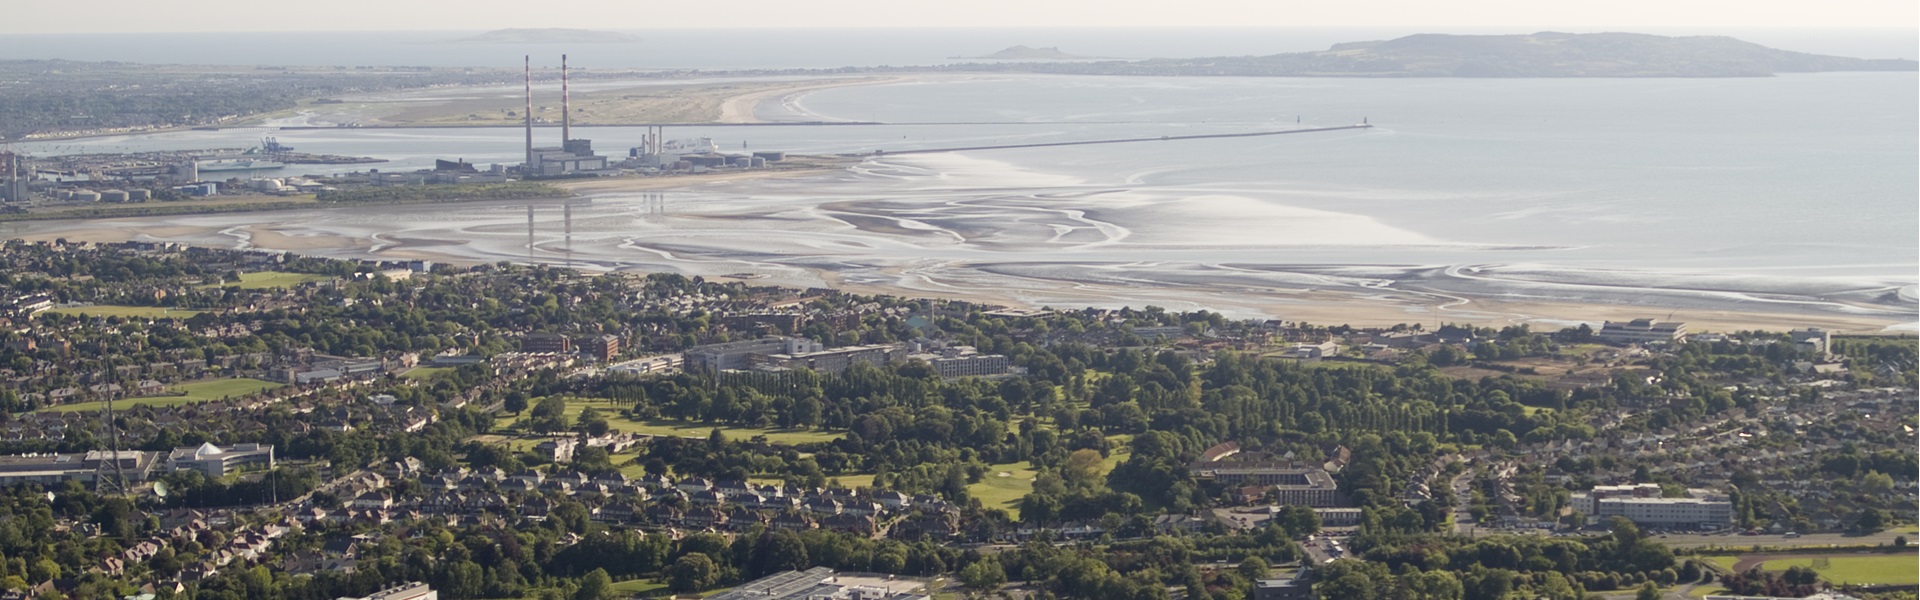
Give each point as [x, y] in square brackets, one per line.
[813, 48]
[1787, 194]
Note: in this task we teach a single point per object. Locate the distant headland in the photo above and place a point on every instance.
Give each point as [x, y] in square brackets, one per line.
[1030, 53]
[548, 36]
[1545, 54]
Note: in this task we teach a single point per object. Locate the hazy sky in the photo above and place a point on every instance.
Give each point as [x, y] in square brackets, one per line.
[46, 16]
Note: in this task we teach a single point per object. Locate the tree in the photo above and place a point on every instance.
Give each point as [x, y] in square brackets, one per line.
[778, 550]
[1254, 568]
[516, 401]
[984, 574]
[595, 586]
[692, 573]
[1648, 591]
[592, 422]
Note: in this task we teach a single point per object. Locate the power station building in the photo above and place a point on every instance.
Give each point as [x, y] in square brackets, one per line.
[572, 156]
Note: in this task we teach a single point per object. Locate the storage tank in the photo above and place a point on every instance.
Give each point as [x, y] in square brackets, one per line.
[139, 195]
[86, 196]
[771, 156]
[758, 162]
[113, 196]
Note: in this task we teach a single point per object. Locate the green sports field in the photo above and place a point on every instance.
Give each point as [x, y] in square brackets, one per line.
[271, 279]
[1863, 569]
[134, 312]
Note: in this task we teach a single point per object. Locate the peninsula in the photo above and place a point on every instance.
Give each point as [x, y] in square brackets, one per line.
[1031, 53]
[1546, 54]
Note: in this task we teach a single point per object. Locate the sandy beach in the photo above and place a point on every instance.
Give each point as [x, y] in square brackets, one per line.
[599, 103]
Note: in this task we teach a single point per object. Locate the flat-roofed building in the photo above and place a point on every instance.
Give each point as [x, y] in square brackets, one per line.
[49, 469]
[1282, 589]
[1644, 504]
[412, 590]
[1292, 483]
[546, 342]
[731, 356]
[1641, 331]
[834, 360]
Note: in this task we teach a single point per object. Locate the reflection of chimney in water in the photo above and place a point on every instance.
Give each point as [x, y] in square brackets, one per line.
[566, 110]
[529, 119]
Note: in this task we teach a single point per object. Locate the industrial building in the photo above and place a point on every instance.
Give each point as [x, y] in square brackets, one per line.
[16, 176]
[215, 461]
[1646, 504]
[572, 157]
[1641, 331]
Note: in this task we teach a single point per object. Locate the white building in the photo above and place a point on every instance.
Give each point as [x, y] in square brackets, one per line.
[215, 461]
[1644, 505]
[412, 590]
[1641, 331]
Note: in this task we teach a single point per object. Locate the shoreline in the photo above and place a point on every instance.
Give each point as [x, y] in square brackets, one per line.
[1320, 307]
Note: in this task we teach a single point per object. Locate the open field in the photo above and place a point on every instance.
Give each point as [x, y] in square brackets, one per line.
[680, 428]
[271, 279]
[424, 373]
[187, 393]
[136, 312]
[1811, 541]
[638, 586]
[1865, 569]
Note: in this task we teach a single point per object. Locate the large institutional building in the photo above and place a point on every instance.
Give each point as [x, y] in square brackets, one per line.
[818, 583]
[1291, 483]
[1643, 504]
[215, 461]
[1641, 331]
[135, 465]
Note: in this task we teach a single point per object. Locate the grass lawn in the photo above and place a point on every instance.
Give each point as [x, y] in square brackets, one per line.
[637, 586]
[680, 428]
[995, 491]
[186, 393]
[1702, 591]
[424, 373]
[1726, 562]
[271, 279]
[138, 312]
[1866, 569]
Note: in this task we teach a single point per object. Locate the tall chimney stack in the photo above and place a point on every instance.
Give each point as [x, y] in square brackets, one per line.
[529, 114]
[566, 109]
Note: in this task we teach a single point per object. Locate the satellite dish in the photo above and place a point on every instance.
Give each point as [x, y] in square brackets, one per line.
[160, 489]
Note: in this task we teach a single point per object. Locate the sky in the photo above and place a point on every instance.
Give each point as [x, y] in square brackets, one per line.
[114, 16]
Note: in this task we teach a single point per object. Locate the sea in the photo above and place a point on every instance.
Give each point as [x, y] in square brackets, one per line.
[1791, 194]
